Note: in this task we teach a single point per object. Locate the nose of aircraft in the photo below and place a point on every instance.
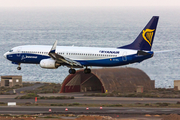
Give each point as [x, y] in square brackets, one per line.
[5, 55]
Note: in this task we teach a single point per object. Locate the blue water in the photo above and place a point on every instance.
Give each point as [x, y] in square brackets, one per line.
[95, 27]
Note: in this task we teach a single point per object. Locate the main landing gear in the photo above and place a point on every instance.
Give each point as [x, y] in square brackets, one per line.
[19, 67]
[86, 71]
[72, 71]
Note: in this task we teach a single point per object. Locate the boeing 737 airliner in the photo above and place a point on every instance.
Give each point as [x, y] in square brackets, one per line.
[79, 57]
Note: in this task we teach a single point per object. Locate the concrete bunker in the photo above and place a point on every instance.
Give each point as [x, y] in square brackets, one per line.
[107, 80]
[10, 81]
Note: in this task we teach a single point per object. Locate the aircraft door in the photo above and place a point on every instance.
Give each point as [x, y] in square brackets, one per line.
[19, 51]
[124, 58]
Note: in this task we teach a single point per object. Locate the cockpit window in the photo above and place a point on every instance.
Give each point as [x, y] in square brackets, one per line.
[10, 50]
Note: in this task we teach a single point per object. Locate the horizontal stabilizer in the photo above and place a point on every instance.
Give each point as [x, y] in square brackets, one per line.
[164, 51]
[142, 53]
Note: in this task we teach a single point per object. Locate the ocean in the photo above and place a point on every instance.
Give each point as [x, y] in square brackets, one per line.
[91, 27]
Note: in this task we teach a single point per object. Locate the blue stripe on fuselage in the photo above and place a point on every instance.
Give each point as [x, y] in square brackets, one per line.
[117, 61]
[26, 58]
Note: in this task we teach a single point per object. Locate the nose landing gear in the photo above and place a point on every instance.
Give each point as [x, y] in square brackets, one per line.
[19, 67]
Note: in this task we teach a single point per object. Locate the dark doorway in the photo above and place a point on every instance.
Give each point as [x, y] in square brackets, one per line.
[92, 84]
[6, 82]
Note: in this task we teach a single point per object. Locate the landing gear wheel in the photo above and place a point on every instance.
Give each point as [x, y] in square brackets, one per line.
[19, 68]
[87, 71]
[72, 71]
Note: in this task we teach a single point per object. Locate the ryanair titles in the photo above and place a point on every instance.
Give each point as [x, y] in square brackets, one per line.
[111, 52]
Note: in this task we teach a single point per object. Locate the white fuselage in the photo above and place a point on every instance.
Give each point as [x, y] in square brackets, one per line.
[74, 53]
[86, 56]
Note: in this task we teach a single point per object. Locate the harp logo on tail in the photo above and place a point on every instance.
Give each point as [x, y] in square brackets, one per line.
[147, 35]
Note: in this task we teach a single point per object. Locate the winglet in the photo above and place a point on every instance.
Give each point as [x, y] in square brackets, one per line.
[53, 49]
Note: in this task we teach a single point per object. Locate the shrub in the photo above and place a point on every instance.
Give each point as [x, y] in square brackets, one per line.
[28, 103]
[72, 97]
[162, 104]
[42, 97]
[50, 117]
[2, 103]
[16, 97]
[131, 95]
[56, 104]
[58, 97]
[27, 96]
[32, 95]
[178, 102]
[51, 97]
[146, 104]
[75, 103]
[115, 105]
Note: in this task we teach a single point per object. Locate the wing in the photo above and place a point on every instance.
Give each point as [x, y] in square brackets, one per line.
[61, 59]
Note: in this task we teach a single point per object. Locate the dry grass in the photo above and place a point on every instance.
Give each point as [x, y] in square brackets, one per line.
[83, 117]
[171, 117]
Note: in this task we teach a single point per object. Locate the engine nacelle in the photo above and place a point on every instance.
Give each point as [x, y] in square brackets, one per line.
[49, 64]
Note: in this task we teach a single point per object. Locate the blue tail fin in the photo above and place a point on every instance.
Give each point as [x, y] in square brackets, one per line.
[144, 40]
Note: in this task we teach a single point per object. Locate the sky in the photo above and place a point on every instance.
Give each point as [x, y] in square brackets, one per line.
[86, 3]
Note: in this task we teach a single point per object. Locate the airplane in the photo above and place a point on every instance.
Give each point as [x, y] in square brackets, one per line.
[83, 57]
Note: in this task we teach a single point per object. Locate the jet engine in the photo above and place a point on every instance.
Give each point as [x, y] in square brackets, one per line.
[49, 64]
